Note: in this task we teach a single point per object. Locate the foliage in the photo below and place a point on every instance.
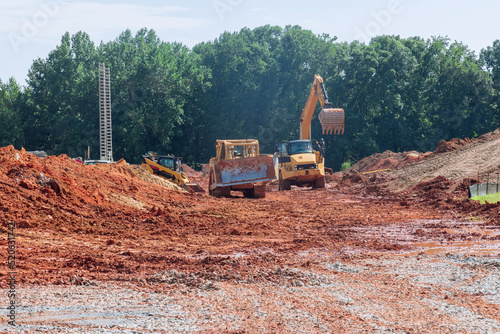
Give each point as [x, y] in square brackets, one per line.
[398, 93]
[151, 84]
[11, 132]
[492, 198]
[346, 165]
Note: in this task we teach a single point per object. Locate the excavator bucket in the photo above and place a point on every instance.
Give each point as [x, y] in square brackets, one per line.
[332, 121]
[193, 188]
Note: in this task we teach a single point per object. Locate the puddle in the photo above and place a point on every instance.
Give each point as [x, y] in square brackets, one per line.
[435, 237]
[476, 247]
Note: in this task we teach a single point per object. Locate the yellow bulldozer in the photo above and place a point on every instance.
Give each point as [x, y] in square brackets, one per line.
[298, 163]
[170, 168]
[238, 166]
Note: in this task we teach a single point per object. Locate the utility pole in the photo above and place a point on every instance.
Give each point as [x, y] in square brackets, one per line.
[105, 129]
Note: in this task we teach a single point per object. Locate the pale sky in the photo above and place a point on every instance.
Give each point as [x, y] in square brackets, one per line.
[30, 29]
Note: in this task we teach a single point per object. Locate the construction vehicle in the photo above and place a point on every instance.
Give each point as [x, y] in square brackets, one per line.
[170, 168]
[238, 166]
[298, 163]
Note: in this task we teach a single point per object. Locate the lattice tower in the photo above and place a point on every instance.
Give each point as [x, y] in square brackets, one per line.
[105, 129]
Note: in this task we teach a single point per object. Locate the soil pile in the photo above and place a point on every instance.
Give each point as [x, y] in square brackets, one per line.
[460, 159]
[196, 177]
[438, 179]
[451, 196]
[452, 145]
[386, 160]
[62, 194]
[457, 159]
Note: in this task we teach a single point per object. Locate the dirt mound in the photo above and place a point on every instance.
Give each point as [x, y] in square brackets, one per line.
[58, 188]
[449, 196]
[140, 173]
[196, 177]
[350, 178]
[452, 145]
[189, 170]
[385, 160]
[455, 160]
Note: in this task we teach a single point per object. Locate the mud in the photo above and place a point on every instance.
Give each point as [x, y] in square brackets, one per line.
[110, 248]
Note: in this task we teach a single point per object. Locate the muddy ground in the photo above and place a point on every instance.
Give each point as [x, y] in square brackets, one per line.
[112, 249]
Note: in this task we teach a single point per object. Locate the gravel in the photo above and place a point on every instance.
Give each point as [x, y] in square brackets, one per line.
[392, 293]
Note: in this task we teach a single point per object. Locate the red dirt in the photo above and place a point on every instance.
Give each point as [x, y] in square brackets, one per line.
[452, 145]
[386, 160]
[103, 222]
[77, 223]
[196, 177]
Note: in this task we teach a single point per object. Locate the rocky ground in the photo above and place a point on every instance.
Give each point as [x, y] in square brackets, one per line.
[112, 249]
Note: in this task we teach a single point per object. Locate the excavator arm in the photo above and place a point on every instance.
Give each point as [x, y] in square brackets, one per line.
[332, 120]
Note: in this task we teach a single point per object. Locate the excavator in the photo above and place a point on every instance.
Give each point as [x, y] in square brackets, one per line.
[298, 163]
[170, 168]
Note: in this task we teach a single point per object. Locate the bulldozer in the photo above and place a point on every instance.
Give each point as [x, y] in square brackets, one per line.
[170, 168]
[238, 166]
[298, 162]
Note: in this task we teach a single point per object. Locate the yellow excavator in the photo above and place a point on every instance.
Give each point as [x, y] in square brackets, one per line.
[298, 163]
[170, 168]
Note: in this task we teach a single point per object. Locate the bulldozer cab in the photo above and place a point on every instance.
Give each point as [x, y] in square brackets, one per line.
[235, 149]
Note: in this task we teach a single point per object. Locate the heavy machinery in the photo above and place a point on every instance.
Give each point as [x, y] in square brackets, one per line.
[170, 168]
[239, 166]
[298, 163]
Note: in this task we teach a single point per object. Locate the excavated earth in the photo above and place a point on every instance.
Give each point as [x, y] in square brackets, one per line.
[112, 249]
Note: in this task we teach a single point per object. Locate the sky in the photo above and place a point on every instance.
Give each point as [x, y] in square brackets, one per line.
[30, 29]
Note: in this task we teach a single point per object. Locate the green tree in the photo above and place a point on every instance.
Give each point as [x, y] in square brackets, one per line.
[261, 80]
[151, 82]
[62, 109]
[398, 94]
[490, 57]
[11, 132]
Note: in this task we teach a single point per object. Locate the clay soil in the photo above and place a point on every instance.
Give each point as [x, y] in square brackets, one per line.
[110, 248]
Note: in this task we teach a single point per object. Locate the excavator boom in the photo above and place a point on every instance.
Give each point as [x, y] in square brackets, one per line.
[298, 163]
[331, 119]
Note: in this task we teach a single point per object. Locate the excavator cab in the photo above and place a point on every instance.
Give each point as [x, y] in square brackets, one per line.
[300, 146]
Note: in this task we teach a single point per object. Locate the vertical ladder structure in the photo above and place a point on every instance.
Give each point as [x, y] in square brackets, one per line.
[105, 133]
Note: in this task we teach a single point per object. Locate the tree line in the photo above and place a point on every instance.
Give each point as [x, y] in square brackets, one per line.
[398, 93]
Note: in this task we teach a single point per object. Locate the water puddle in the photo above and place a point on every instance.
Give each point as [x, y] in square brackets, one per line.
[476, 247]
[435, 237]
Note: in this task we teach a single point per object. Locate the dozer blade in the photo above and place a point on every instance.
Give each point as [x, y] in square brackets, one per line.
[332, 121]
[193, 188]
[244, 171]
